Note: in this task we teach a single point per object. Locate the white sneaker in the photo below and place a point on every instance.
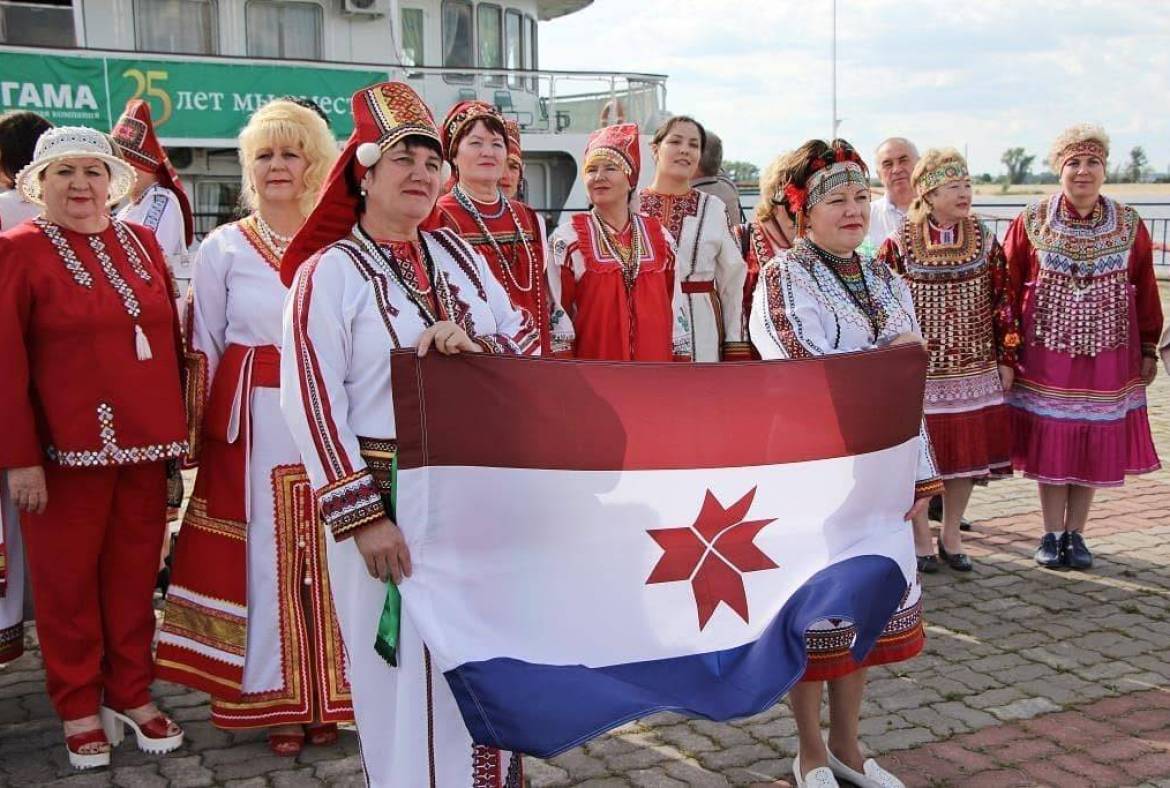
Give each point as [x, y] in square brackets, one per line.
[874, 776]
[820, 777]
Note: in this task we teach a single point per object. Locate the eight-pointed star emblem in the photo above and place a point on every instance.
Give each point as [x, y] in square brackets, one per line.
[713, 554]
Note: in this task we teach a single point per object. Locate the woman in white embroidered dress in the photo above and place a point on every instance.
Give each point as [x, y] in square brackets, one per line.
[708, 262]
[250, 537]
[817, 298]
[365, 280]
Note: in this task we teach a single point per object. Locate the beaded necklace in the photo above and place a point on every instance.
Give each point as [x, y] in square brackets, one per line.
[275, 241]
[464, 199]
[853, 285]
[631, 265]
[389, 263]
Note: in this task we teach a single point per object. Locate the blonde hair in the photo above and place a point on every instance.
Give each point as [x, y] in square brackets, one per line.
[933, 159]
[770, 185]
[283, 122]
[1075, 135]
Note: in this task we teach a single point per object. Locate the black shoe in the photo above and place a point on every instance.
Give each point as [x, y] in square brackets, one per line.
[965, 524]
[1051, 552]
[934, 509]
[960, 562]
[1077, 555]
[927, 564]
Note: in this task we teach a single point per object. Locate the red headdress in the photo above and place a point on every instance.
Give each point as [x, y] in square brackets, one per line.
[839, 165]
[135, 140]
[462, 117]
[512, 129]
[383, 115]
[619, 144]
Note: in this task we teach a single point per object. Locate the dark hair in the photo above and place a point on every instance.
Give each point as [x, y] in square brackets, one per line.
[19, 132]
[411, 141]
[813, 155]
[712, 158]
[665, 128]
[308, 103]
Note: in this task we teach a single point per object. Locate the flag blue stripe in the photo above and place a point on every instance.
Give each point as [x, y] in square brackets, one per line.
[544, 710]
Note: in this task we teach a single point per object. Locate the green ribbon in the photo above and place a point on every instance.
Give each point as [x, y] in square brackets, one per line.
[386, 642]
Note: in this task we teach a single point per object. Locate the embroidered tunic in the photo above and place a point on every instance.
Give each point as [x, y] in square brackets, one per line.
[268, 649]
[597, 313]
[963, 301]
[710, 270]
[522, 268]
[757, 248]
[72, 306]
[346, 312]
[803, 309]
[158, 209]
[1088, 301]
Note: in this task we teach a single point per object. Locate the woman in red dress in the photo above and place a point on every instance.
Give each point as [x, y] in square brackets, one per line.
[89, 383]
[505, 231]
[612, 274]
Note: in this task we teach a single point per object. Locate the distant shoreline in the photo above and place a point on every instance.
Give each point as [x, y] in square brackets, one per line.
[1033, 189]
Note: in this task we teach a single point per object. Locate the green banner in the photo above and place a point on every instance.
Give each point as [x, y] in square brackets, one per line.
[192, 101]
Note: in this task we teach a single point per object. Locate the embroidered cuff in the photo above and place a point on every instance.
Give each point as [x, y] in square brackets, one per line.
[490, 344]
[927, 488]
[737, 351]
[349, 503]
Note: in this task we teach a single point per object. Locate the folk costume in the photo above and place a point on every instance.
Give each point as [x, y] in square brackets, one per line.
[353, 298]
[710, 268]
[615, 292]
[163, 206]
[507, 233]
[249, 616]
[810, 303]
[89, 353]
[1088, 302]
[757, 248]
[962, 299]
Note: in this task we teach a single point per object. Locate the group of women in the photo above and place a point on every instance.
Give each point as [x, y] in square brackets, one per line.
[1039, 353]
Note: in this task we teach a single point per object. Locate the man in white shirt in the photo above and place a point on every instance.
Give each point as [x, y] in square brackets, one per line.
[896, 157]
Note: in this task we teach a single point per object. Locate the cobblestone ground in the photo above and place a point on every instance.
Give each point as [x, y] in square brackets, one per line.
[1030, 677]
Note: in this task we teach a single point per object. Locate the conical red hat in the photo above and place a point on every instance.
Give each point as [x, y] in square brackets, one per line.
[620, 141]
[512, 129]
[136, 141]
[383, 114]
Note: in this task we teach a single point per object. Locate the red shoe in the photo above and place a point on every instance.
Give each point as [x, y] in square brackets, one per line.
[322, 734]
[155, 736]
[98, 756]
[286, 744]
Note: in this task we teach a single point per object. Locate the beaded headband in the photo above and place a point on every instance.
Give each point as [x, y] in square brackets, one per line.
[612, 156]
[950, 171]
[1082, 148]
[827, 179]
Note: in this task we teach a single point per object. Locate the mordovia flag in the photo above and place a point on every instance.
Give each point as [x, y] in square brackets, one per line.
[593, 542]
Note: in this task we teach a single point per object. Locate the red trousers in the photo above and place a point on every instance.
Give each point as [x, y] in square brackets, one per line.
[93, 559]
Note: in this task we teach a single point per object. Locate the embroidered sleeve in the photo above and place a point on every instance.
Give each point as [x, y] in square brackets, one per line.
[785, 321]
[516, 330]
[730, 276]
[21, 447]
[1019, 257]
[315, 360]
[562, 286]
[1005, 321]
[680, 338]
[206, 336]
[1148, 305]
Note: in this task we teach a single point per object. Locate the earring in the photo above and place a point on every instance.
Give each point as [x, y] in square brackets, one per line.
[363, 193]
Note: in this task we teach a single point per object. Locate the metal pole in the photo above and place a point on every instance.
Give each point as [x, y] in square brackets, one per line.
[834, 59]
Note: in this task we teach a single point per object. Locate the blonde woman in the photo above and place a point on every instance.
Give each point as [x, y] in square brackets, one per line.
[1082, 267]
[249, 616]
[769, 232]
[958, 276]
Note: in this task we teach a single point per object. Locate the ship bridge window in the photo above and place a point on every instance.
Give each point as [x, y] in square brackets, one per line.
[457, 39]
[284, 29]
[490, 32]
[514, 44]
[47, 24]
[184, 26]
[413, 51]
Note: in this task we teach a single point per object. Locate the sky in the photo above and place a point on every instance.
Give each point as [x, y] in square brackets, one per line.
[982, 76]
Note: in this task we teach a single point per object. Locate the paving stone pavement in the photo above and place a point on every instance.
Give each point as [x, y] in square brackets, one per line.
[1029, 677]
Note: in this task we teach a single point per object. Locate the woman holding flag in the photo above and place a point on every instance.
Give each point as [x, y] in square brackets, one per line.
[364, 279]
[817, 298]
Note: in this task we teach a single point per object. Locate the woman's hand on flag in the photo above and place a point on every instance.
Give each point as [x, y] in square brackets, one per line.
[447, 338]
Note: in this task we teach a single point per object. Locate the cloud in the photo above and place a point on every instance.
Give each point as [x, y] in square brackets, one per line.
[988, 75]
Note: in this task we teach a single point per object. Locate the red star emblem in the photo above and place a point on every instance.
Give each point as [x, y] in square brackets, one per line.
[713, 554]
